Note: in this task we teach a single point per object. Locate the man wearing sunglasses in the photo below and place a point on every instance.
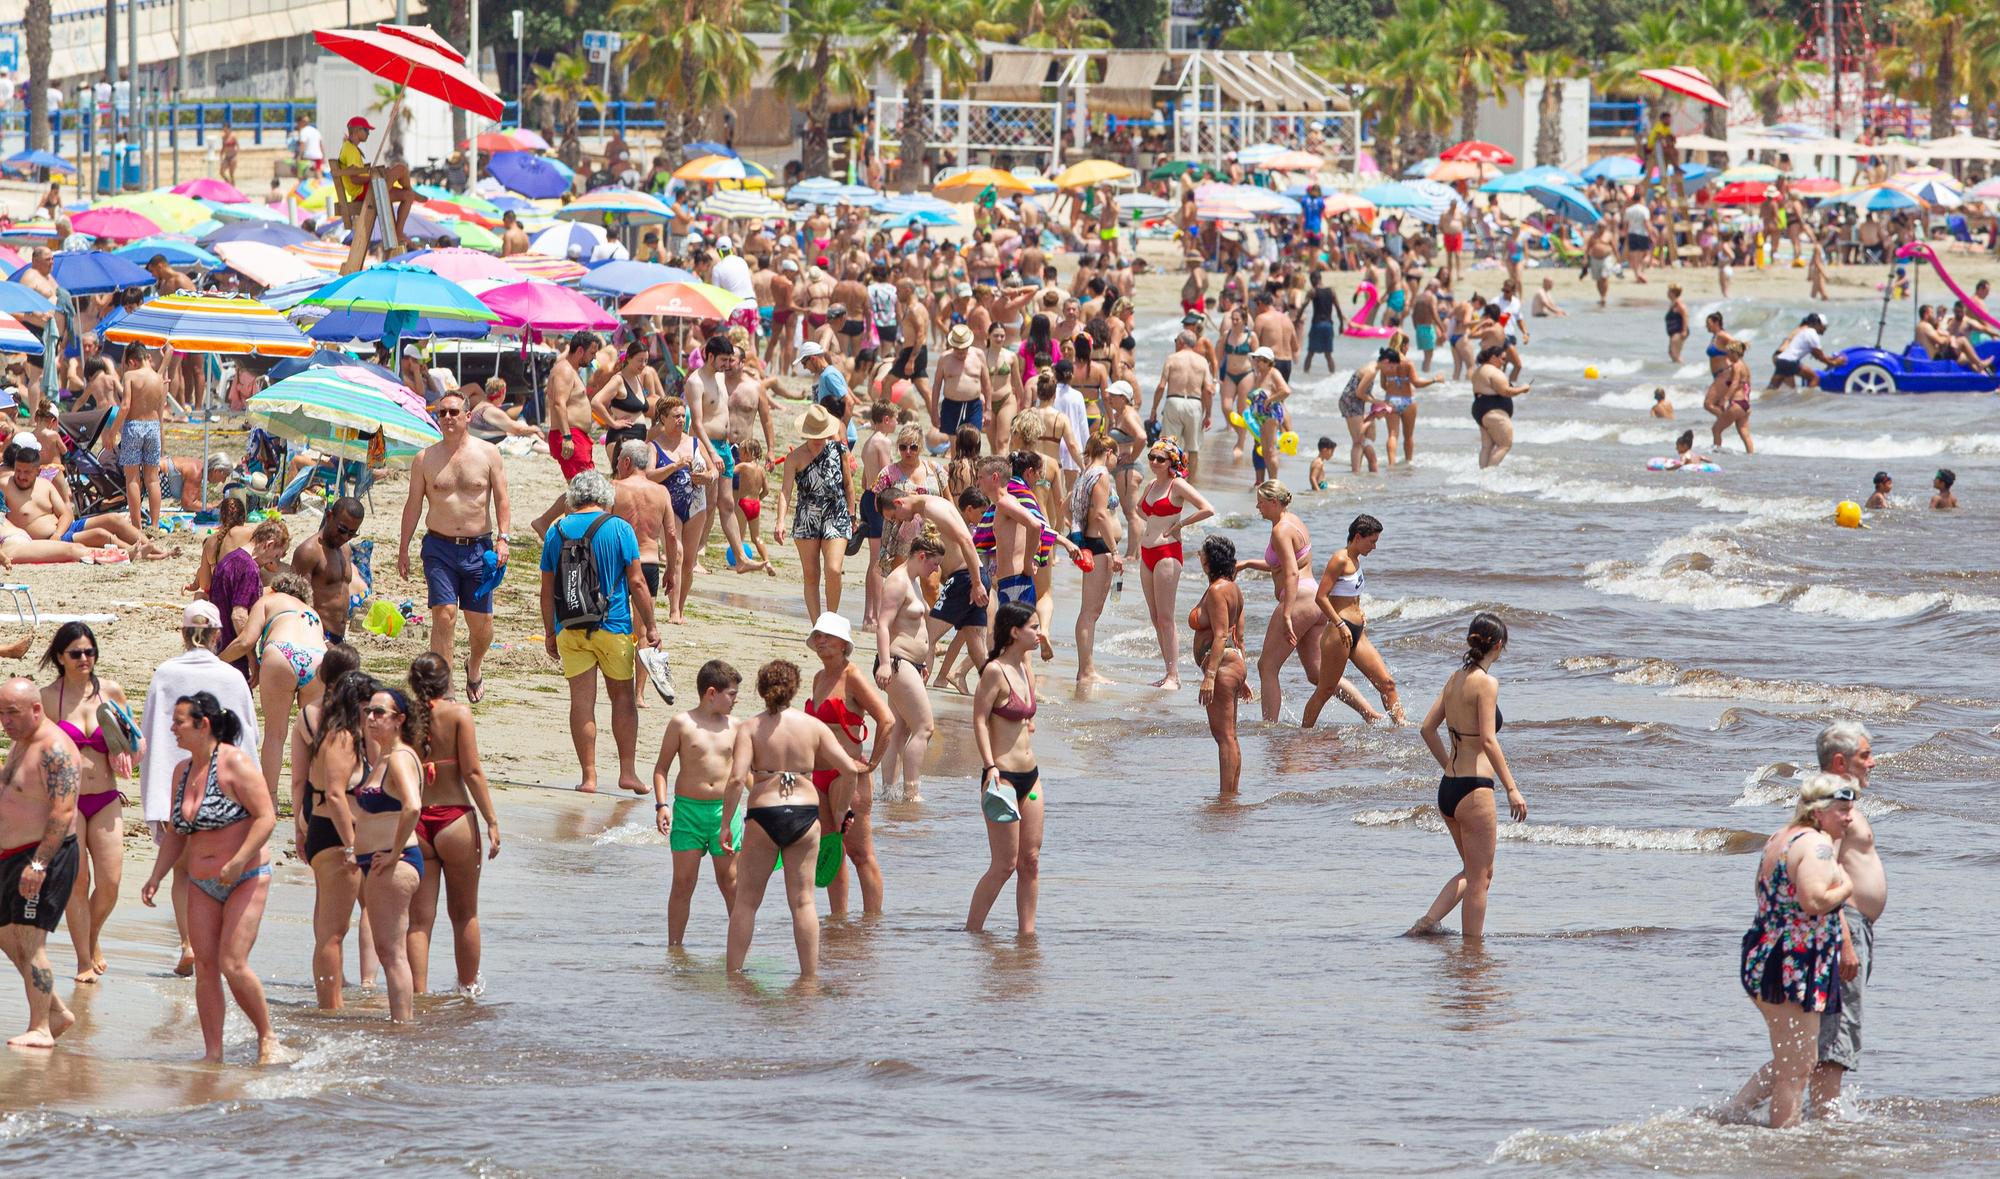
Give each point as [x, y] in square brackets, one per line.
[461, 484]
[326, 560]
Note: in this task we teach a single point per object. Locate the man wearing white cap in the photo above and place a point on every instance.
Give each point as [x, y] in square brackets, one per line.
[195, 669]
[829, 386]
[732, 274]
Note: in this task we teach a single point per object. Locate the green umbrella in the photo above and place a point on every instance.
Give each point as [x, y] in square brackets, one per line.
[1173, 168]
[337, 410]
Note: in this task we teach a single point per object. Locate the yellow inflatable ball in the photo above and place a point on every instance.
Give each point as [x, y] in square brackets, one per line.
[1236, 420]
[1288, 443]
[1847, 514]
[1590, 373]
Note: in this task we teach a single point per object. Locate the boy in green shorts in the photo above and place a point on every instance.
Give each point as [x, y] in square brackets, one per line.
[704, 739]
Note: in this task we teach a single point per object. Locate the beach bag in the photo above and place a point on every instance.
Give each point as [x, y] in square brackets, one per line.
[580, 600]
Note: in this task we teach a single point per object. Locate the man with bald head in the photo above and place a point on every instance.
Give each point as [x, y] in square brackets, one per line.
[38, 856]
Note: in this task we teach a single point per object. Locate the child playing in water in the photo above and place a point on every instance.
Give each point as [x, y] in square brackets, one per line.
[1684, 452]
[1662, 408]
[1883, 486]
[751, 484]
[1944, 500]
[1316, 472]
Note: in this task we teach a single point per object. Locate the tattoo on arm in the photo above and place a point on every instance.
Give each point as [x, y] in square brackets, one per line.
[59, 774]
[1823, 852]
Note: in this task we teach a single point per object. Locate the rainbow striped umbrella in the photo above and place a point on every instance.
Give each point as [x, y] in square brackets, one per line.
[682, 300]
[543, 266]
[395, 288]
[233, 324]
[338, 408]
[620, 204]
[326, 257]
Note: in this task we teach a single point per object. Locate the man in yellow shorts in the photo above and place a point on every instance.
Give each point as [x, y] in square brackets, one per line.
[592, 582]
[350, 177]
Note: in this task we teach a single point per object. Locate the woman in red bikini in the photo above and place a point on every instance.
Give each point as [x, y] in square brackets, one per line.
[447, 830]
[846, 700]
[71, 702]
[1167, 504]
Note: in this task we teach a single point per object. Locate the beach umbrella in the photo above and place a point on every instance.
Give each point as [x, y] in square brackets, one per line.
[617, 204]
[1477, 151]
[285, 296]
[15, 337]
[1257, 153]
[1692, 175]
[338, 409]
[1565, 202]
[369, 327]
[235, 325]
[93, 272]
[1617, 169]
[396, 287]
[265, 264]
[208, 188]
[1448, 171]
[460, 264]
[965, 187]
[1986, 190]
[682, 300]
[394, 55]
[451, 210]
[1033, 178]
[327, 358]
[1756, 172]
[1436, 193]
[1421, 168]
[917, 202]
[1365, 165]
[1688, 81]
[707, 147]
[1516, 182]
[1090, 173]
[1221, 210]
[1880, 198]
[557, 241]
[546, 307]
[326, 257]
[1174, 169]
[121, 225]
[529, 174]
[23, 160]
[533, 265]
[1140, 204]
[1815, 186]
[1394, 195]
[16, 299]
[173, 249]
[219, 213]
[496, 141]
[924, 218]
[1294, 161]
[471, 235]
[172, 212]
[625, 278]
[30, 233]
[532, 140]
[719, 167]
[1347, 202]
[269, 233]
[1742, 192]
[1939, 193]
[742, 206]
[463, 200]
[816, 190]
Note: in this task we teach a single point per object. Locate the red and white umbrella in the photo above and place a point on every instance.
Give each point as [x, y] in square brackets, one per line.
[1688, 81]
[425, 36]
[405, 60]
[1477, 151]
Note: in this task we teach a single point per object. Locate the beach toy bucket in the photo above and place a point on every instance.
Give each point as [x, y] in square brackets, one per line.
[383, 618]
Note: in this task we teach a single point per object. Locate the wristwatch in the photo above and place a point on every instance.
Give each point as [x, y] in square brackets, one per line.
[37, 866]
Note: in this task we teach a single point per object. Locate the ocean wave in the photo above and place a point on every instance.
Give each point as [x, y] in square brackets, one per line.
[1902, 1136]
[1709, 840]
[1416, 609]
[1878, 448]
[628, 835]
[1558, 365]
[1706, 684]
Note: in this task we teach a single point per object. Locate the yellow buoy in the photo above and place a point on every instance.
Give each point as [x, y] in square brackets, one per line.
[1847, 514]
[1590, 373]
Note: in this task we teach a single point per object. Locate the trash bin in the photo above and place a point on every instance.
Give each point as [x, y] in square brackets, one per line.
[135, 176]
[105, 180]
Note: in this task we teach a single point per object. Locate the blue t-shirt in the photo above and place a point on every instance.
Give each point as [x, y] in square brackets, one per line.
[615, 546]
[1315, 212]
[829, 386]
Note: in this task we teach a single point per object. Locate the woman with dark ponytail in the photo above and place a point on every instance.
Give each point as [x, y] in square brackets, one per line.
[1003, 712]
[223, 824]
[448, 829]
[1469, 710]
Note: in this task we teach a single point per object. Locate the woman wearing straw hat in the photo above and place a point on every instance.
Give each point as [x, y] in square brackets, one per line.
[815, 480]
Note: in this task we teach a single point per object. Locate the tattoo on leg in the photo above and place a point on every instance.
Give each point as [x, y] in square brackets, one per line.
[42, 979]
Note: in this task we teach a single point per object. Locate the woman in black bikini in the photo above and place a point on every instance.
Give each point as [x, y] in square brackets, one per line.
[1469, 709]
[783, 811]
[328, 749]
[1345, 639]
[1003, 714]
[222, 817]
[387, 805]
[625, 401]
[1217, 623]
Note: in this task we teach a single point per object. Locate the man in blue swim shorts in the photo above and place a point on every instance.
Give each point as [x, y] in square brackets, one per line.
[458, 487]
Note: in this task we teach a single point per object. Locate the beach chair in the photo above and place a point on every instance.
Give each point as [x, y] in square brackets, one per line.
[17, 593]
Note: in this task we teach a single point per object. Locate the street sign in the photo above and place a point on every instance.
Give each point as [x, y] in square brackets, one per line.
[517, 24]
[10, 52]
[599, 56]
[597, 40]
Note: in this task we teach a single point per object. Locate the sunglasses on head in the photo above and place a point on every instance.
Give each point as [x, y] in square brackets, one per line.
[1844, 794]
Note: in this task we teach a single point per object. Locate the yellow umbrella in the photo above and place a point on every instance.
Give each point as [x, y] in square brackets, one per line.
[713, 168]
[1092, 172]
[966, 186]
[172, 212]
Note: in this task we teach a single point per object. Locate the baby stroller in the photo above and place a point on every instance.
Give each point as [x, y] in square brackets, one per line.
[96, 481]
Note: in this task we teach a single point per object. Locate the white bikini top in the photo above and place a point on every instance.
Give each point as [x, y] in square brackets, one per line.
[1350, 585]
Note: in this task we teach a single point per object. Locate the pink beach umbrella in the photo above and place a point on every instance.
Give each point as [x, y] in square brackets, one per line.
[120, 225]
[545, 307]
[208, 188]
[461, 265]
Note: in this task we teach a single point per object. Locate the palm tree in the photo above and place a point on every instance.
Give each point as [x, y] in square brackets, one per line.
[1924, 66]
[821, 60]
[1265, 25]
[1048, 24]
[1784, 77]
[1654, 39]
[690, 54]
[390, 98]
[1554, 68]
[562, 87]
[37, 19]
[919, 37]
[1480, 51]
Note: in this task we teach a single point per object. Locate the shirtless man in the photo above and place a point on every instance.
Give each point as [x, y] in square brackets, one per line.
[877, 451]
[1543, 302]
[1451, 227]
[1597, 252]
[964, 386]
[513, 238]
[1276, 331]
[142, 423]
[1943, 345]
[913, 357]
[1844, 748]
[1016, 536]
[709, 394]
[327, 563]
[41, 510]
[647, 507]
[982, 262]
[703, 740]
[1424, 321]
[778, 349]
[569, 420]
[852, 296]
[39, 277]
[1187, 385]
[463, 483]
[38, 787]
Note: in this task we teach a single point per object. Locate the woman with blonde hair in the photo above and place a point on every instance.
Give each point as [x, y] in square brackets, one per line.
[1168, 504]
[1093, 507]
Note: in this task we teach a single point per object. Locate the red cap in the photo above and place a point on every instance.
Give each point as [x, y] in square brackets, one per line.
[822, 262]
[358, 121]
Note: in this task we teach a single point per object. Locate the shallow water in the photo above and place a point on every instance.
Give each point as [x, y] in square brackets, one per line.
[1219, 987]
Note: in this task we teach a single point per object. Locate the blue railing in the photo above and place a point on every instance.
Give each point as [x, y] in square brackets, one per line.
[1616, 120]
[251, 118]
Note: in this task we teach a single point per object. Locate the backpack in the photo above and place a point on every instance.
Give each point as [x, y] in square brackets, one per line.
[579, 592]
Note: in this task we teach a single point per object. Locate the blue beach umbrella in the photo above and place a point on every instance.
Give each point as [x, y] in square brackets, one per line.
[292, 366]
[530, 175]
[270, 233]
[1513, 182]
[1566, 202]
[16, 299]
[1617, 169]
[706, 147]
[92, 272]
[366, 327]
[626, 278]
[918, 218]
[22, 160]
[1394, 194]
[174, 250]
[1881, 199]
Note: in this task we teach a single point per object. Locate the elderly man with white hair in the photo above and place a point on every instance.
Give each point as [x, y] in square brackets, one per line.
[593, 590]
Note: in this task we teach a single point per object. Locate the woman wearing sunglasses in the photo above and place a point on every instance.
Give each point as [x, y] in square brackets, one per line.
[72, 702]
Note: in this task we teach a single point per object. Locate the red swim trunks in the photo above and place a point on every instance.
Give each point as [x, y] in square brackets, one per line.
[579, 459]
[1454, 243]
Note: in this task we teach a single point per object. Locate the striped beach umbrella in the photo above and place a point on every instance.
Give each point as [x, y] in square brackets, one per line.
[265, 264]
[326, 257]
[617, 204]
[461, 264]
[338, 408]
[236, 325]
[394, 288]
[711, 168]
[15, 337]
[542, 266]
[742, 205]
[682, 300]
[170, 211]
